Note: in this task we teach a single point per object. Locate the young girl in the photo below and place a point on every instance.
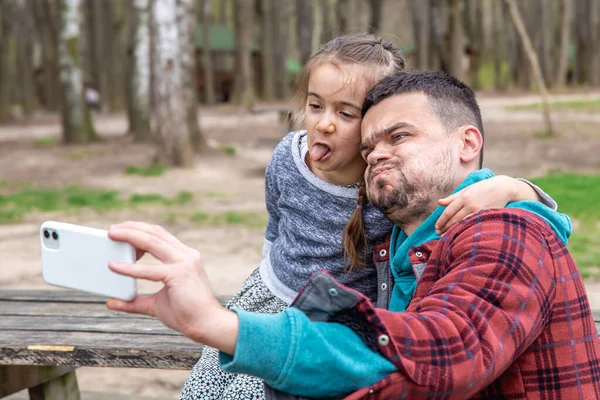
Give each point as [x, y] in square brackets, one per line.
[312, 183]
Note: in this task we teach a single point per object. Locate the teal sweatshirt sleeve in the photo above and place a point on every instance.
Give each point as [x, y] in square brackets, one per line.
[293, 354]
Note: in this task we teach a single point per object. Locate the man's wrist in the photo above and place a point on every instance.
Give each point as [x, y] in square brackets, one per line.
[219, 331]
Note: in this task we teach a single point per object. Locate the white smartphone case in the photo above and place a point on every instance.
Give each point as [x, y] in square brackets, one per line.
[77, 258]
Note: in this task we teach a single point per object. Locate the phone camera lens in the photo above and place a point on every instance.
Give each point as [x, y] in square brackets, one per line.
[54, 235]
[46, 234]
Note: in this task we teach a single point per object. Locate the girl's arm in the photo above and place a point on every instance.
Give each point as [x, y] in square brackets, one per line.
[495, 192]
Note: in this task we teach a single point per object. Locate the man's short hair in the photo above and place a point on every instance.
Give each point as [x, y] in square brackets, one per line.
[451, 100]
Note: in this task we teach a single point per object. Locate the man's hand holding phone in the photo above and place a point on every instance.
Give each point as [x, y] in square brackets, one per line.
[186, 303]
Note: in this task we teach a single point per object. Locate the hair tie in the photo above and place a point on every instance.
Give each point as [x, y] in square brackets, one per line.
[359, 206]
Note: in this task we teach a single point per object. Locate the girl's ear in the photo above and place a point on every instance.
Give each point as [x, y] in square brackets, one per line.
[472, 143]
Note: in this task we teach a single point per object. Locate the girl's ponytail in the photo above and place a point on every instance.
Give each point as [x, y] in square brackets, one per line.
[354, 237]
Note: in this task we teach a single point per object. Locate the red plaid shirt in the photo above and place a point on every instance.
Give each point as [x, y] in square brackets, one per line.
[499, 312]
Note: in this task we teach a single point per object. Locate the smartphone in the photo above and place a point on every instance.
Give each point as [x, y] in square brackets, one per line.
[76, 257]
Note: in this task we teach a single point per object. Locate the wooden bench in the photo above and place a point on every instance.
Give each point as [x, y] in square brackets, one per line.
[45, 335]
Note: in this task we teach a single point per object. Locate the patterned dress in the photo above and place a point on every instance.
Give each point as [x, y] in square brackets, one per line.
[207, 380]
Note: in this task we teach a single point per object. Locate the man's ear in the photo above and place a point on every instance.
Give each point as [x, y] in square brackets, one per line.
[472, 143]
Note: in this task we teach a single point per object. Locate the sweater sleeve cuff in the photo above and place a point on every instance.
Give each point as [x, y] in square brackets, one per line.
[546, 199]
[260, 345]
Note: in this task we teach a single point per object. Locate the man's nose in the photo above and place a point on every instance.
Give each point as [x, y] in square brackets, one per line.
[379, 153]
[326, 123]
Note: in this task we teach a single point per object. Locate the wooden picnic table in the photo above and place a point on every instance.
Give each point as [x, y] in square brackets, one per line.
[46, 334]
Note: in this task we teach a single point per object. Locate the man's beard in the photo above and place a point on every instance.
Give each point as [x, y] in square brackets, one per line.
[412, 198]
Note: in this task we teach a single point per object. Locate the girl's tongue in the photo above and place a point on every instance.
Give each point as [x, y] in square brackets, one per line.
[319, 151]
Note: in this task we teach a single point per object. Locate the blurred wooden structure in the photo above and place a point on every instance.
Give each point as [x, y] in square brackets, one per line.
[222, 47]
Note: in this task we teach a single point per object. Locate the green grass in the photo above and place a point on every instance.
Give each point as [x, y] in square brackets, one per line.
[591, 106]
[256, 220]
[153, 170]
[179, 199]
[578, 196]
[228, 149]
[219, 196]
[45, 142]
[14, 206]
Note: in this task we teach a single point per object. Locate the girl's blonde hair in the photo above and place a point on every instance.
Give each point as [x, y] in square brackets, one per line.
[381, 58]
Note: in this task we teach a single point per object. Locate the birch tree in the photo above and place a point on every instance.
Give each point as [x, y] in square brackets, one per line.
[169, 120]
[76, 119]
[140, 122]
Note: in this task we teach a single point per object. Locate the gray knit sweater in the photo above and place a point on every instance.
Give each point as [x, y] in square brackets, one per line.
[306, 219]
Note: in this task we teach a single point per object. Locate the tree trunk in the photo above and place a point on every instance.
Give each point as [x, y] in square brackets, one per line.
[565, 32]
[170, 122]
[24, 58]
[344, 16]
[327, 30]
[534, 63]
[474, 46]
[187, 42]
[456, 66]
[500, 42]
[244, 86]
[76, 119]
[546, 33]
[49, 23]
[140, 76]
[117, 54]
[280, 24]
[376, 14]
[207, 64]
[6, 64]
[422, 28]
[595, 42]
[317, 26]
[304, 25]
[437, 35]
[51, 88]
[223, 7]
[582, 41]
[268, 50]
[103, 42]
[129, 68]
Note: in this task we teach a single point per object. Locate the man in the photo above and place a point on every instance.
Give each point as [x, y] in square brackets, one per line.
[499, 310]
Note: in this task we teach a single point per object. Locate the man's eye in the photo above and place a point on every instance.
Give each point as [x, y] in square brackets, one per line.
[397, 138]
